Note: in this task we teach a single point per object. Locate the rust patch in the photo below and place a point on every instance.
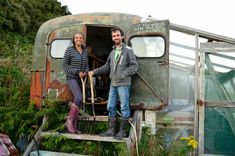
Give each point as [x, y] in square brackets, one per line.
[48, 73]
[84, 30]
[135, 20]
[52, 36]
[36, 88]
[62, 90]
[200, 102]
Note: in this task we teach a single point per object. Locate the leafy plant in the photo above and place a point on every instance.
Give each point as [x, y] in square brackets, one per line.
[153, 142]
[156, 145]
[183, 146]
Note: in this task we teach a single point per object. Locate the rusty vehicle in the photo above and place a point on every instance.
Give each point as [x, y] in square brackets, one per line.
[170, 91]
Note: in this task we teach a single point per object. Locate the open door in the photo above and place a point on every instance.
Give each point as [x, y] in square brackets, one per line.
[150, 43]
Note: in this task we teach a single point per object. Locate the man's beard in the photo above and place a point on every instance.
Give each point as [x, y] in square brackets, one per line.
[118, 42]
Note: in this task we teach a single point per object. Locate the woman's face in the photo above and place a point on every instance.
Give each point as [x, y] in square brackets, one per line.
[78, 39]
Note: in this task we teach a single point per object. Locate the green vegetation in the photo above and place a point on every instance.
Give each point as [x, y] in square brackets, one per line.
[26, 16]
[19, 22]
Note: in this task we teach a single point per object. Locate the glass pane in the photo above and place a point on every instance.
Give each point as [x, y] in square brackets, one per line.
[151, 46]
[58, 48]
[220, 77]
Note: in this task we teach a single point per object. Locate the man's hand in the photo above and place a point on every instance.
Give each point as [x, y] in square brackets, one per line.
[91, 73]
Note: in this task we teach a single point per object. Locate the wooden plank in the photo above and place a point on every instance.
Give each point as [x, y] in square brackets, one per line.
[225, 104]
[96, 103]
[176, 126]
[175, 120]
[135, 132]
[83, 113]
[211, 155]
[49, 153]
[201, 108]
[97, 118]
[162, 122]
[92, 118]
[84, 137]
[37, 135]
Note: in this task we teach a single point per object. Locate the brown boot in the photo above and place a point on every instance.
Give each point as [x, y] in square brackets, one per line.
[71, 119]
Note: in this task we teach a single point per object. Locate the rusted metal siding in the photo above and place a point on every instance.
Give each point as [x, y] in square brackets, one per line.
[36, 87]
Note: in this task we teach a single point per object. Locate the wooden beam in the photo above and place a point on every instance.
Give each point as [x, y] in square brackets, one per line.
[49, 153]
[84, 137]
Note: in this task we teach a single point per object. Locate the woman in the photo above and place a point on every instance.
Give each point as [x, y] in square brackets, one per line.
[75, 65]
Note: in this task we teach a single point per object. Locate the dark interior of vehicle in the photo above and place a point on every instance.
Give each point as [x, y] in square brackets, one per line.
[99, 44]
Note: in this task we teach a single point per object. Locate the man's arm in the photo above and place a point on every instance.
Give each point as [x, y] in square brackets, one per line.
[105, 69]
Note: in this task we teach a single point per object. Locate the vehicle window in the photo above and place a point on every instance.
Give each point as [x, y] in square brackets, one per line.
[58, 47]
[148, 46]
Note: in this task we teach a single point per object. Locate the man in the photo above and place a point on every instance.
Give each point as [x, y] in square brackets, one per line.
[121, 65]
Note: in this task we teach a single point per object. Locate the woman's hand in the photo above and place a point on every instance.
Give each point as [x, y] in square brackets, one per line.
[82, 74]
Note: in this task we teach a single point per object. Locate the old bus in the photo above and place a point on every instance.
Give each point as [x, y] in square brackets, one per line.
[180, 87]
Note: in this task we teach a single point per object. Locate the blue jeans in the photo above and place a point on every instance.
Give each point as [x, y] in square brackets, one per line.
[123, 92]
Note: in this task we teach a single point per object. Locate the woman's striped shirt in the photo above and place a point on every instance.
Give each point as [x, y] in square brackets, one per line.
[75, 62]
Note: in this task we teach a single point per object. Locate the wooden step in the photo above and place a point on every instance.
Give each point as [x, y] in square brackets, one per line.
[95, 118]
[49, 153]
[85, 137]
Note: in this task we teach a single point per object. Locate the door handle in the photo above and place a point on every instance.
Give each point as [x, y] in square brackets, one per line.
[162, 63]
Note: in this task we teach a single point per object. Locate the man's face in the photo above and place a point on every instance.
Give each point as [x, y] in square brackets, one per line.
[116, 37]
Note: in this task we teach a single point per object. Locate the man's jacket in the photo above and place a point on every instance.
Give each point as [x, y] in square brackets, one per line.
[121, 69]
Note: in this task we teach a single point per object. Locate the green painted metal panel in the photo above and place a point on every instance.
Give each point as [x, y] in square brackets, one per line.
[150, 84]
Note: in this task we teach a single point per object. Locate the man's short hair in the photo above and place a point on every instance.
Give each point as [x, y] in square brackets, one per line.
[117, 29]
